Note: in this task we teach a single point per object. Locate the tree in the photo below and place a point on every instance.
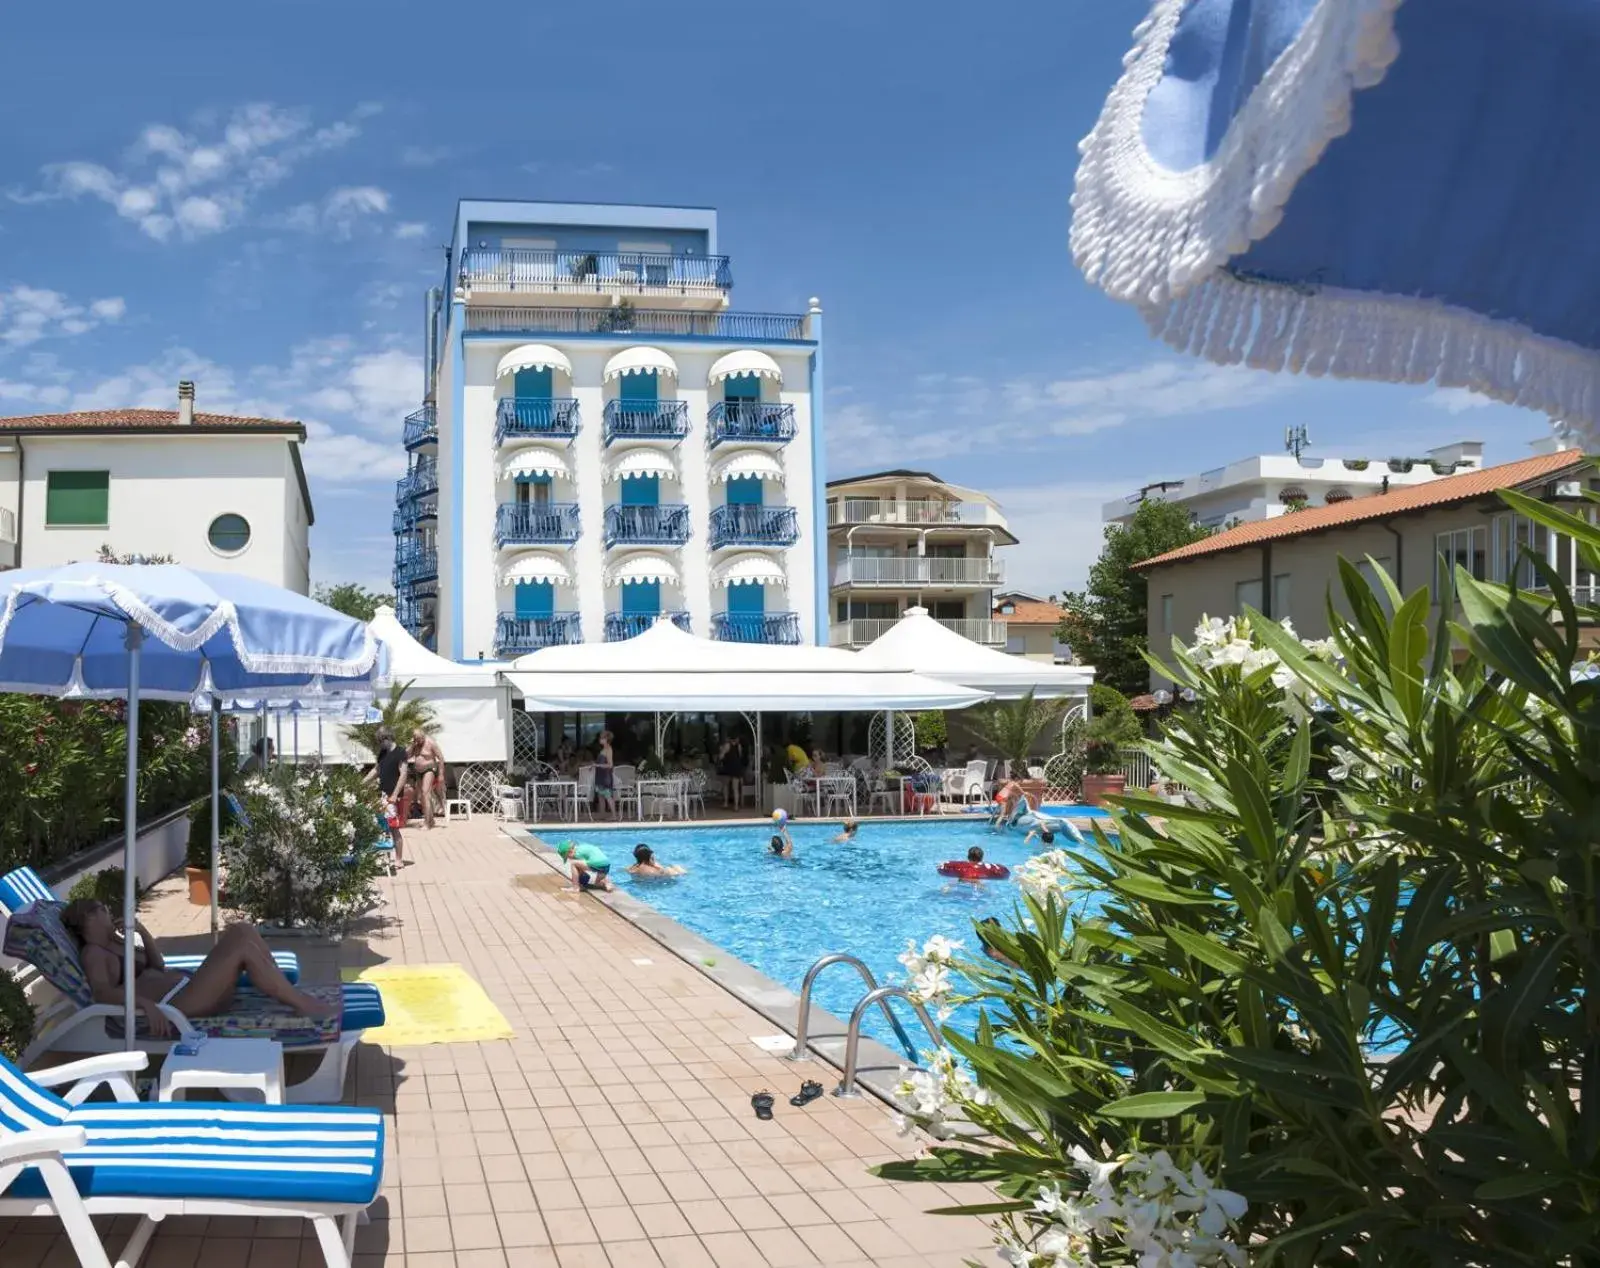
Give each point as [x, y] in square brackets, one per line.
[353, 600]
[1106, 624]
[109, 556]
[1013, 727]
[403, 717]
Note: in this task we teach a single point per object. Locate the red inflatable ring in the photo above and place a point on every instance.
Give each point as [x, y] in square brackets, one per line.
[961, 869]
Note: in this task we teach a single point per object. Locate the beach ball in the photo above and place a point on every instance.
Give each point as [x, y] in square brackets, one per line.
[780, 817]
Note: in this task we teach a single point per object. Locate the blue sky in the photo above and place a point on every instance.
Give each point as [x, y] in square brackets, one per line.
[255, 197]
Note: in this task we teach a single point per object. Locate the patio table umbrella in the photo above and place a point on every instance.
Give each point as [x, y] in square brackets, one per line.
[79, 631]
[1394, 190]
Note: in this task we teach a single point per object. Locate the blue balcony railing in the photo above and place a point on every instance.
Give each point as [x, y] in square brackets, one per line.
[756, 627]
[518, 635]
[594, 272]
[750, 423]
[422, 427]
[422, 479]
[550, 319]
[530, 523]
[754, 526]
[535, 416]
[412, 565]
[645, 420]
[621, 625]
[665, 525]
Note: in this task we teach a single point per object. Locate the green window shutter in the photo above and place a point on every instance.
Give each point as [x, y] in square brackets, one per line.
[77, 497]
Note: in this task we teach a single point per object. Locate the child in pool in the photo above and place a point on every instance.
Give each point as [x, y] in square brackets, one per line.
[782, 844]
[645, 865]
[848, 835]
[1044, 828]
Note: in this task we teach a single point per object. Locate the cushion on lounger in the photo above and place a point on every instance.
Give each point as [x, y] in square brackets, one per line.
[285, 960]
[363, 1006]
[36, 934]
[21, 887]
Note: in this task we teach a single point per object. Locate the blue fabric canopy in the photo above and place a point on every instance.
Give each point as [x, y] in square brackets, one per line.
[1398, 190]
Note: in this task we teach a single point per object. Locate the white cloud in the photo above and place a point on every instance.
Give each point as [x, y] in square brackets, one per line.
[31, 313]
[410, 229]
[424, 155]
[1059, 533]
[1456, 400]
[341, 212]
[176, 182]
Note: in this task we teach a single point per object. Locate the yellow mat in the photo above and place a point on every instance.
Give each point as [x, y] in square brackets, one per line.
[431, 1003]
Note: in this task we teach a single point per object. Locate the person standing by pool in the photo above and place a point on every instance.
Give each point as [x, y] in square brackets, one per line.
[587, 865]
[392, 776]
[425, 766]
[645, 864]
[730, 770]
[605, 773]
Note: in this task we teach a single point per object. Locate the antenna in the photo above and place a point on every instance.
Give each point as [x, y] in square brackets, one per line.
[1297, 439]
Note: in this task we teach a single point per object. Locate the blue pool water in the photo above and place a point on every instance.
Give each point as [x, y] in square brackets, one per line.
[869, 898]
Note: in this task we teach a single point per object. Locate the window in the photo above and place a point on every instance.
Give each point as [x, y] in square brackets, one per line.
[1016, 644]
[741, 389]
[229, 534]
[1166, 614]
[747, 600]
[1280, 596]
[1467, 548]
[77, 498]
[1247, 594]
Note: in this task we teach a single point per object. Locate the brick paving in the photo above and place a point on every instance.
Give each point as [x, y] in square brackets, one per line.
[614, 1130]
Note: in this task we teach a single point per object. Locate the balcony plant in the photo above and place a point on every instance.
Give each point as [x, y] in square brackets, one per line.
[1400, 466]
[618, 319]
[1013, 729]
[1357, 464]
[1112, 727]
[584, 267]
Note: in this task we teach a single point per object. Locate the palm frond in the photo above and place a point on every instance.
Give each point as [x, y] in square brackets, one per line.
[400, 715]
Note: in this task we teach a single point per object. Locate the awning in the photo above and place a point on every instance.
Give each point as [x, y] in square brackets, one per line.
[919, 644]
[748, 464]
[533, 356]
[640, 361]
[641, 462]
[746, 361]
[637, 569]
[753, 569]
[539, 460]
[536, 565]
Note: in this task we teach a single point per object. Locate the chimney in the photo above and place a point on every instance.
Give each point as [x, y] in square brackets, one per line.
[185, 403]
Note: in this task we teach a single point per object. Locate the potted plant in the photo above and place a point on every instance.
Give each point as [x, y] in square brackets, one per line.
[1356, 464]
[1013, 729]
[1113, 727]
[197, 857]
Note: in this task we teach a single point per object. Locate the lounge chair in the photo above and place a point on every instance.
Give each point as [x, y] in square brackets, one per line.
[74, 1160]
[23, 886]
[75, 1023]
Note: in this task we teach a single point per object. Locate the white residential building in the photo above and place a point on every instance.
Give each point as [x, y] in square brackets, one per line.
[217, 493]
[1269, 484]
[902, 539]
[604, 441]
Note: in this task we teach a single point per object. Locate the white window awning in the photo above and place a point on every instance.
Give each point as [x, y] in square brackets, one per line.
[639, 569]
[536, 565]
[640, 361]
[748, 464]
[635, 463]
[539, 460]
[533, 356]
[754, 569]
[746, 361]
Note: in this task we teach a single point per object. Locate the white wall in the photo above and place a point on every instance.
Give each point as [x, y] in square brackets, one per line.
[164, 492]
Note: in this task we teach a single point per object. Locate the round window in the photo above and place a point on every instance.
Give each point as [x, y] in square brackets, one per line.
[229, 534]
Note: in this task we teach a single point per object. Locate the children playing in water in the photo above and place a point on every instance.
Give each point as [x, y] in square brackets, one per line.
[1010, 805]
[848, 833]
[587, 865]
[645, 864]
[782, 844]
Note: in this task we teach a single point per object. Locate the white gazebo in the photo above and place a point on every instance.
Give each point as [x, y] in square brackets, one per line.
[921, 645]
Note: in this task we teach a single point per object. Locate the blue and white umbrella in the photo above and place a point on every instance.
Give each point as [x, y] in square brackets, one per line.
[162, 631]
[1396, 190]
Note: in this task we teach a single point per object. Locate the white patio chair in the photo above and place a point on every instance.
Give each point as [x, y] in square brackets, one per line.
[749, 787]
[695, 794]
[952, 786]
[625, 784]
[880, 790]
[977, 781]
[585, 793]
[836, 794]
[510, 803]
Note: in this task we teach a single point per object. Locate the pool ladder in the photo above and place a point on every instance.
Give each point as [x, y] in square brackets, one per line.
[879, 995]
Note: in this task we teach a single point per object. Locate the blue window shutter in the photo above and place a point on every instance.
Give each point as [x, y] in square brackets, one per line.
[642, 598]
[747, 600]
[744, 492]
[535, 599]
[534, 384]
[641, 491]
[742, 387]
[639, 388]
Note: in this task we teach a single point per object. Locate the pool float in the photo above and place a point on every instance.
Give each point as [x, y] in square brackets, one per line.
[963, 869]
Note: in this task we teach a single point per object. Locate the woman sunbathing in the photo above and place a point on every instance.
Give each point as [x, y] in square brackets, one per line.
[209, 990]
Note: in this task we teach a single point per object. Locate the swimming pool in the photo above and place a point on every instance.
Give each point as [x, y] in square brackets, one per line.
[781, 915]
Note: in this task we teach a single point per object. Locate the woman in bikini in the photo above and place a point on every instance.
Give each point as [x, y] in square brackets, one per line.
[425, 767]
[207, 991]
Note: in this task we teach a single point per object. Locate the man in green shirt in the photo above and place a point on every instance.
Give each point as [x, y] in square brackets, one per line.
[587, 865]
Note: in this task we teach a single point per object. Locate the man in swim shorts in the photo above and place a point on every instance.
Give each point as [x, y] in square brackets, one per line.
[587, 865]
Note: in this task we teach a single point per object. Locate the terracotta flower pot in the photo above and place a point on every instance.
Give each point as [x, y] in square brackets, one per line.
[199, 879]
[1096, 788]
[1032, 792]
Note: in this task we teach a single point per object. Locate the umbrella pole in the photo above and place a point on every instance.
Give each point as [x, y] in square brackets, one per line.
[216, 808]
[277, 743]
[658, 734]
[130, 811]
[294, 722]
[319, 739]
[761, 769]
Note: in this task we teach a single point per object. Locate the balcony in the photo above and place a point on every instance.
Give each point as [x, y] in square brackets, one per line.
[413, 511]
[918, 513]
[860, 632]
[422, 479]
[750, 423]
[519, 635]
[645, 420]
[521, 271]
[917, 571]
[754, 627]
[621, 625]
[542, 417]
[665, 525]
[413, 563]
[534, 523]
[422, 428]
[754, 526]
[743, 327]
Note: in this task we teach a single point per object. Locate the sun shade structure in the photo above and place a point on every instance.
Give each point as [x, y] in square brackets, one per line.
[746, 361]
[533, 356]
[666, 669]
[536, 565]
[747, 464]
[640, 361]
[540, 460]
[635, 463]
[918, 642]
[639, 569]
[1396, 190]
[749, 570]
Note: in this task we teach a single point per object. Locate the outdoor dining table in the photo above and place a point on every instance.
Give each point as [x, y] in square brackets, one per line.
[565, 790]
[674, 791]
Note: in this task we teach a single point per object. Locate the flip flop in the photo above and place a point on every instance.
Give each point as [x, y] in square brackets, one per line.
[809, 1091]
[762, 1101]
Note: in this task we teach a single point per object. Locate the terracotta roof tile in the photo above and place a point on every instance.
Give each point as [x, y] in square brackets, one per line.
[1031, 612]
[1416, 497]
[138, 420]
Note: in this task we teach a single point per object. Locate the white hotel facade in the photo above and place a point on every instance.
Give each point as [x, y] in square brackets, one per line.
[604, 440]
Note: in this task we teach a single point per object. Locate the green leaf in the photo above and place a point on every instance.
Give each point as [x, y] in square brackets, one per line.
[1518, 1186]
[1169, 1039]
[1153, 1105]
[1408, 644]
[1207, 951]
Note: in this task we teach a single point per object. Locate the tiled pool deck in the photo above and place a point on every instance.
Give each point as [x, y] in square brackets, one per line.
[614, 1130]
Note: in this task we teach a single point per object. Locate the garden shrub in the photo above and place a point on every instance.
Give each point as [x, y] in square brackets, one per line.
[931, 730]
[104, 886]
[16, 1018]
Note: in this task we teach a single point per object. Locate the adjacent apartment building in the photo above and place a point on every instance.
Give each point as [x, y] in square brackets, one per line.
[1031, 624]
[604, 440]
[1266, 485]
[215, 492]
[1287, 566]
[902, 539]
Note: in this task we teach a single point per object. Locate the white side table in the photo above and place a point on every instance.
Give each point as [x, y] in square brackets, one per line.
[226, 1063]
[457, 807]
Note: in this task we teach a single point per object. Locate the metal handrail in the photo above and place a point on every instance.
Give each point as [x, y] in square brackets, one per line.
[804, 1024]
[852, 1040]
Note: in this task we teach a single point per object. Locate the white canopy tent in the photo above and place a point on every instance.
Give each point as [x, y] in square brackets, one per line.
[919, 643]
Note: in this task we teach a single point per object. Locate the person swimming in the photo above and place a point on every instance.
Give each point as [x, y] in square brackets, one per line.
[645, 864]
[782, 844]
[1043, 828]
[848, 834]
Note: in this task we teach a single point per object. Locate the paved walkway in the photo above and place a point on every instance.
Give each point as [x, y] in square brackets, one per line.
[615, 1129]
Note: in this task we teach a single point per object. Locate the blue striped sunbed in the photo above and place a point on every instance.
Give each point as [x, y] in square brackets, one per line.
[78, 1160]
